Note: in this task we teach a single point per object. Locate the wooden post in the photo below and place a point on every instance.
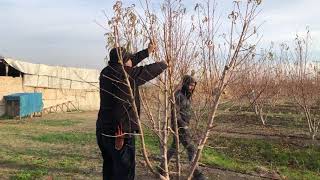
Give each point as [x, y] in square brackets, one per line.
[77, 109]
[61, 107]
[67, 105]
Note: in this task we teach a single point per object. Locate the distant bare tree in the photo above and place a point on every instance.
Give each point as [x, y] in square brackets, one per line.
[304, 84]
[259, 82]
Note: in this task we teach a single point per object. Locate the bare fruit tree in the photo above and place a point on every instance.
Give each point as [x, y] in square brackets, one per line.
[223, 57]
[191, 43]
[303, 82]
[259, 83]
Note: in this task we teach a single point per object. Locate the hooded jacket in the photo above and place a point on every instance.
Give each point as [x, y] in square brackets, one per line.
[183, 103]
[115, 106]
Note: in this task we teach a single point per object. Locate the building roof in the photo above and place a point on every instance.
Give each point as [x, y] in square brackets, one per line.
[41, 75]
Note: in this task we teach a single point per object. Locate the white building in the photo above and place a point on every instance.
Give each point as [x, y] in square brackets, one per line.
[58, 85]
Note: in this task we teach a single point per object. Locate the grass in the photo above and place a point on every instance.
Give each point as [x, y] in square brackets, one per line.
[274, 119]
[65, 148]
[278, 108]
[32, 158]
[214, 158]
[298, 175]
[29, 174]
[246, 154]
[58, 123]
[151, 142]
[60, 147]
[66, 137]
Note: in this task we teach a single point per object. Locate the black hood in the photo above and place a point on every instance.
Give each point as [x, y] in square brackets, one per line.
[186, 81]
[114, 58]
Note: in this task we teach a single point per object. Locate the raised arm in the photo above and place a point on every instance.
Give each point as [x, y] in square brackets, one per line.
[139, 56]
[143, 74]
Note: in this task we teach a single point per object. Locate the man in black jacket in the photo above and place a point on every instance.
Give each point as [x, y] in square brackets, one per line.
[183, 116]
[117, 121]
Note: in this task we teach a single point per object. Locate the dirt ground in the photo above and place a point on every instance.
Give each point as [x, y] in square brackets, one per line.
[15, 137]
[141, 173]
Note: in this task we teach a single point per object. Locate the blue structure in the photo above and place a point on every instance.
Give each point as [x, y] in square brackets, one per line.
[23, 104]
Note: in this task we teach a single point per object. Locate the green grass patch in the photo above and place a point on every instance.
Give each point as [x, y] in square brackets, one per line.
[298, 174]
[271, 153]
[10, 157]
[249, 118]
[245, 154]
[227, 106]
[37, 159]
[213, 158]
[37, 152]
[63, 148]
[29, 174]
[66, 137]
[58, 123]
[11, 129]
[23, 158]
[51, 153]
[151, 141]
[69, 163]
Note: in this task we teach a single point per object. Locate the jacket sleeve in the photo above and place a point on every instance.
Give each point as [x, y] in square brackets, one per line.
[139, 56]
[143, 74]
[181, 111]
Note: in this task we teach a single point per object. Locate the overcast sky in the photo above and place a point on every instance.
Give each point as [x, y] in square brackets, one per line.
[63, 32]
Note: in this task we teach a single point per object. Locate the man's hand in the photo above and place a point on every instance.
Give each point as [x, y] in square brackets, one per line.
[119, 138]
[152, 46]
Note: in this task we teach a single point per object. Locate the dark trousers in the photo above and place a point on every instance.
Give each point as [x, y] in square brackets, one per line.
[117, 164]
[186, 140]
